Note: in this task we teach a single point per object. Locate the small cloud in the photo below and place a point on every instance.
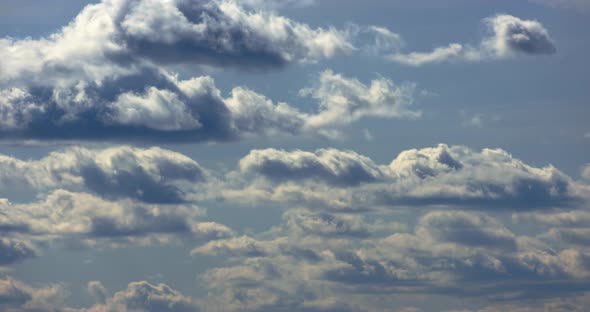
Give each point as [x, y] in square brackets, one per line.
[367, 135]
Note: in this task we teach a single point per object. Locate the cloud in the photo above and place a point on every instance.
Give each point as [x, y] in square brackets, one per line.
[108, 74]
[155, 106]
[17, 296]
[586, 172]
[343, 100]
[325, 224]
[466, 229]
[97, 290]
[138, 296]
[439, 176]
[123, 33]
[345, 168]
[80, 219]
[144, 296]
[14, 251]
[508, 36]
[450, 252]
[151, 175]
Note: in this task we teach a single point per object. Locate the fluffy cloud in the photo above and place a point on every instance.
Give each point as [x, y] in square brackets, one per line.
[343, 100]
[509, 36]
[122, 33]
[451, 253]
[151, 175]
[106, 76]
[16, 296]
[329, 165]
[83, 219]
[440, 176]
[156, 106]
[144, 296]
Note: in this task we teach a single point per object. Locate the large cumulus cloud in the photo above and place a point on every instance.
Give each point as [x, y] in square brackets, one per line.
[508, 36]
[108, 75]
[439, 176]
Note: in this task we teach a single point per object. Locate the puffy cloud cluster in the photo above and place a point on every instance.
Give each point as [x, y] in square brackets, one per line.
[121, 34]
[107, 75]
[440, 176]
[452, 253]
[156, 106]
[319, 258]
[509, 36]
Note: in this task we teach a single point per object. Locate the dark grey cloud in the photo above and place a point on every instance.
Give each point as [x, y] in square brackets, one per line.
[508, 36]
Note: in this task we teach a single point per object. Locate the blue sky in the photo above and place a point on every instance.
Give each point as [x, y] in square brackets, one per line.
[277, 155]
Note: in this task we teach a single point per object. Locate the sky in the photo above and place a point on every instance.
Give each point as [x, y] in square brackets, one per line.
[294, 155]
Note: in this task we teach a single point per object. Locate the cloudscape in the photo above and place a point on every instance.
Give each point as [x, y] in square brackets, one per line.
[283, 155]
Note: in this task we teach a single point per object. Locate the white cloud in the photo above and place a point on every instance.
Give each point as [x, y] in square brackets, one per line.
[442, 175]
[509, 36]
[343, 100]
[80, 219]
[107, 75]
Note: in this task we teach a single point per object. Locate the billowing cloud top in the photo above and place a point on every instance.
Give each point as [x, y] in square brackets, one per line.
[442, 175]
[106, 76]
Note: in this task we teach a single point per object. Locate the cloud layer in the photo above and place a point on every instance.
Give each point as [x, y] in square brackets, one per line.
[444, 221]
